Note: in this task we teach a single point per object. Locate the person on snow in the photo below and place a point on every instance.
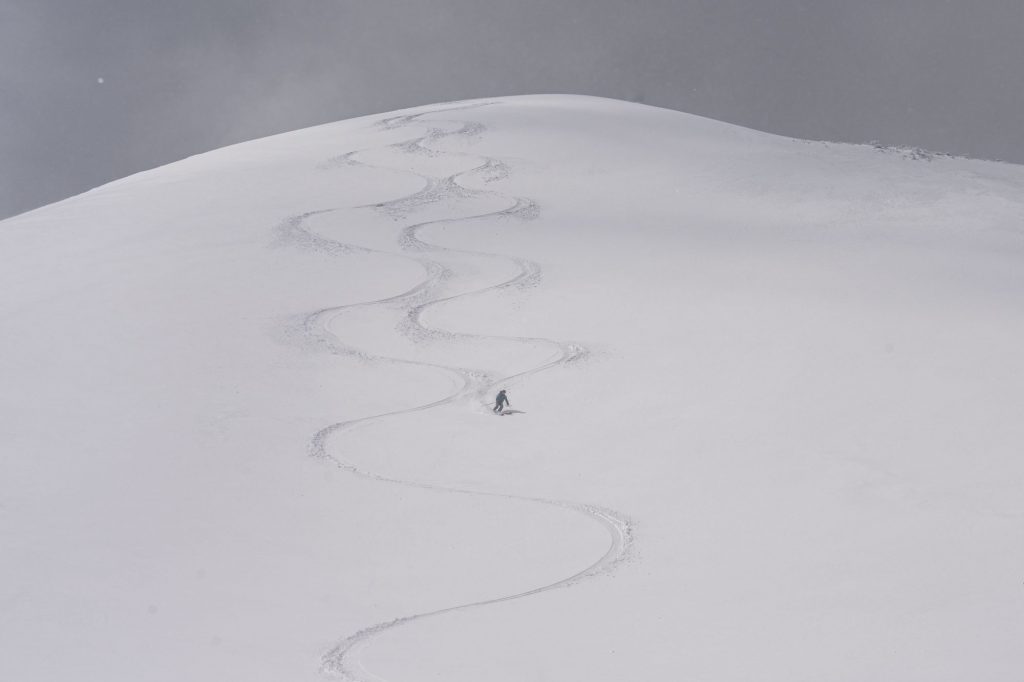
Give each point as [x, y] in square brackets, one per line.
[501, 401]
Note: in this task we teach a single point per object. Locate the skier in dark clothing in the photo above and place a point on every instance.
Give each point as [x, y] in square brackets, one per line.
[501, 401]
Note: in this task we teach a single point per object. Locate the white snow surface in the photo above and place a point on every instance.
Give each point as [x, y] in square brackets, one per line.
[768, 394]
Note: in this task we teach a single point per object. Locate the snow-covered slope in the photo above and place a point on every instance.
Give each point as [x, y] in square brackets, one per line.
[767, 404]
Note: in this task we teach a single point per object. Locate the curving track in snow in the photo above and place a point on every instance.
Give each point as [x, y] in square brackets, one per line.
[343, 659]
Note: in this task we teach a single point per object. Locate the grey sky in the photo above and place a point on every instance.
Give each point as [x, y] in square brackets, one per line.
[184, 76]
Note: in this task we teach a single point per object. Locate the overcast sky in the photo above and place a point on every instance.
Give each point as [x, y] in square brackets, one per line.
[184, 76]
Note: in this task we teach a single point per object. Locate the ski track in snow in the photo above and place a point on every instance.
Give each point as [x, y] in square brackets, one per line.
[343, 659]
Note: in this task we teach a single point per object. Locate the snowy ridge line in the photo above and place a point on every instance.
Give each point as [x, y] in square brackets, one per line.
[343, 659]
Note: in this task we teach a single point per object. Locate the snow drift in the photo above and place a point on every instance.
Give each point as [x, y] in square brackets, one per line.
[767, 398]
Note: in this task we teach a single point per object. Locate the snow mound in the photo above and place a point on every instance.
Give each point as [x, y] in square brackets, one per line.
[766, 399]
